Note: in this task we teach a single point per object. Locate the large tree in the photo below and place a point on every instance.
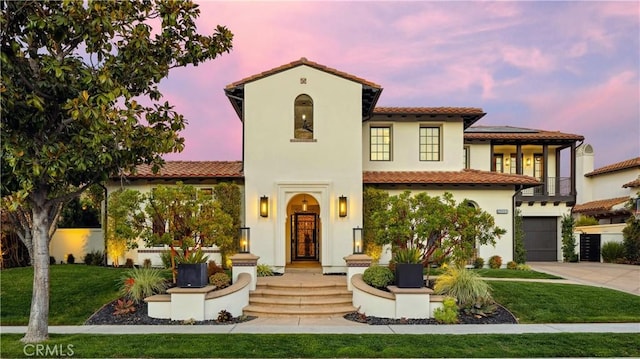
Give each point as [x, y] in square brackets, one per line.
[75, 75]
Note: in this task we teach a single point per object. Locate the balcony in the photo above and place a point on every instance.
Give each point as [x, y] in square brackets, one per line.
[555, 190]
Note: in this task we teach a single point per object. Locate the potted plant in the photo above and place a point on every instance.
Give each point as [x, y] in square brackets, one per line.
[192, 269]
[409, 268]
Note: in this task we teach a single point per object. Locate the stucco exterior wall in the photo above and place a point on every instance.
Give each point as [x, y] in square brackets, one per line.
[405, 145]
[279, 167]
[76, 241]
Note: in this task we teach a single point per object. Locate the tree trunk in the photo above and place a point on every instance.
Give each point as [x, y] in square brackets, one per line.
[38, 328]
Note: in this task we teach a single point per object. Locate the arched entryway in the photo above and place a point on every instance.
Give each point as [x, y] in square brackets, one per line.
[303, 229]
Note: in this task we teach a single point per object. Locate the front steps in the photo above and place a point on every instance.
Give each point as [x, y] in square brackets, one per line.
[300, 294]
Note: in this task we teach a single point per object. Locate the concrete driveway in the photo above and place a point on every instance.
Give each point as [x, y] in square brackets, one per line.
[622, 277]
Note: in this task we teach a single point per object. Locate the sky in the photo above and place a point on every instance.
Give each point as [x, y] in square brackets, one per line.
[558, 66]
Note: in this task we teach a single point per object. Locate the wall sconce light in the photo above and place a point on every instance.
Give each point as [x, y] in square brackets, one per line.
[304, 203]
[342, 206]
[244, 240]
[358, 248]
[528, 161]
[264, 206]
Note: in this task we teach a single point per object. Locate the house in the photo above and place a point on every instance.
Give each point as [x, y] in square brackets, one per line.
[603, 194]
[313, 138]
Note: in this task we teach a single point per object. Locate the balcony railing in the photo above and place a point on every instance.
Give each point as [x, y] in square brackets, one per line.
[556, 186]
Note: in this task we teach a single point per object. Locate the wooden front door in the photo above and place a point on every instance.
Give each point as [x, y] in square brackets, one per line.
[304, 236]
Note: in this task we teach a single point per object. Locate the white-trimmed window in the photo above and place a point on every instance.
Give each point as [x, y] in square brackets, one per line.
[380, 143]
[430, 144]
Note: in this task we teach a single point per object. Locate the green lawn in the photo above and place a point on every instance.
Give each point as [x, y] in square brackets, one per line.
[566, 303]
[327, 345]
[77, 291]
[501, 273]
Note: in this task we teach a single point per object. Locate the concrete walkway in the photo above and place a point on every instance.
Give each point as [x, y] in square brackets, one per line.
[335, 326]
[622, 277]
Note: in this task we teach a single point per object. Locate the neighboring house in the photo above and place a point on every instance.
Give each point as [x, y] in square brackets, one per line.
[313, 138]
[604, 193]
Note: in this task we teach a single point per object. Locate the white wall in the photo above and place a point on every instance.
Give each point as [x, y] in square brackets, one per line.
[406, 145]
[326, 168]
[77, 241]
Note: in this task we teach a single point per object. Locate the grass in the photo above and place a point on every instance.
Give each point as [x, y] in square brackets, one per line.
[327, 345]
[565, 303]
[77, 291]
[512, 273]
[501, 273]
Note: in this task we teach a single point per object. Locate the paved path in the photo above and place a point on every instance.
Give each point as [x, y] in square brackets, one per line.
[622, 277]
[336, 326]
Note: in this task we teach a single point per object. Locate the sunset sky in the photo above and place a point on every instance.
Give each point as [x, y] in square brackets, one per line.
[559, 66]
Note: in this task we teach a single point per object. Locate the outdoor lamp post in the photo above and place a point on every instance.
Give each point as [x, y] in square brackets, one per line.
[244, 240]
[358, 248]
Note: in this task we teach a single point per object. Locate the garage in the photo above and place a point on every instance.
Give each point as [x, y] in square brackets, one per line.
[541, 238]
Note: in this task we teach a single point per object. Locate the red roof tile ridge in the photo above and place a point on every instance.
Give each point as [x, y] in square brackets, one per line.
[303, 61]
[618, 166]
[599, 204]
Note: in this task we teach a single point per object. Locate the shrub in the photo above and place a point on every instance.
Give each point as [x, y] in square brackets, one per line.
[213, 268]
[71, 259]
[146, 263]
[264, 270]
[448, 314]
[465, 285]
[378, 276]
[165, 257]
[124, 306]
[586, 221]
[631, 240]
[495, 262]
[568, 242]
[88, 258]
[139, 283]
[512, 265]
[224, 316]
[220, 280]
[523, 267]
[478, 263]
[407, 255]
[612, 252]
[94, 258]
[52, 260]
[128, 263]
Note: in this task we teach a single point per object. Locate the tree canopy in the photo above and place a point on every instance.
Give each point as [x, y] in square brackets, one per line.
[438, 227]
[75, 76]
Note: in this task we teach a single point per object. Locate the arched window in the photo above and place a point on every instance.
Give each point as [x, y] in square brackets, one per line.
[303, 117]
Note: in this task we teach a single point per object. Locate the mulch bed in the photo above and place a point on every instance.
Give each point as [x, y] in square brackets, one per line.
[501, 316]
[105, 316]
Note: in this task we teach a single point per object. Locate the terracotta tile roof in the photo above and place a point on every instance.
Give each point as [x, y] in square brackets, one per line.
[602, 205]
[428, 111]
[632, 163]
[515, 133]
[192, 169]
[632, 184]
[303, 61]
[467, 176]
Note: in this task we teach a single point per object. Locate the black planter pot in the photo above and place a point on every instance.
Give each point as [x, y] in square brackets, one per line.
[409, 275]
[192, 275]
